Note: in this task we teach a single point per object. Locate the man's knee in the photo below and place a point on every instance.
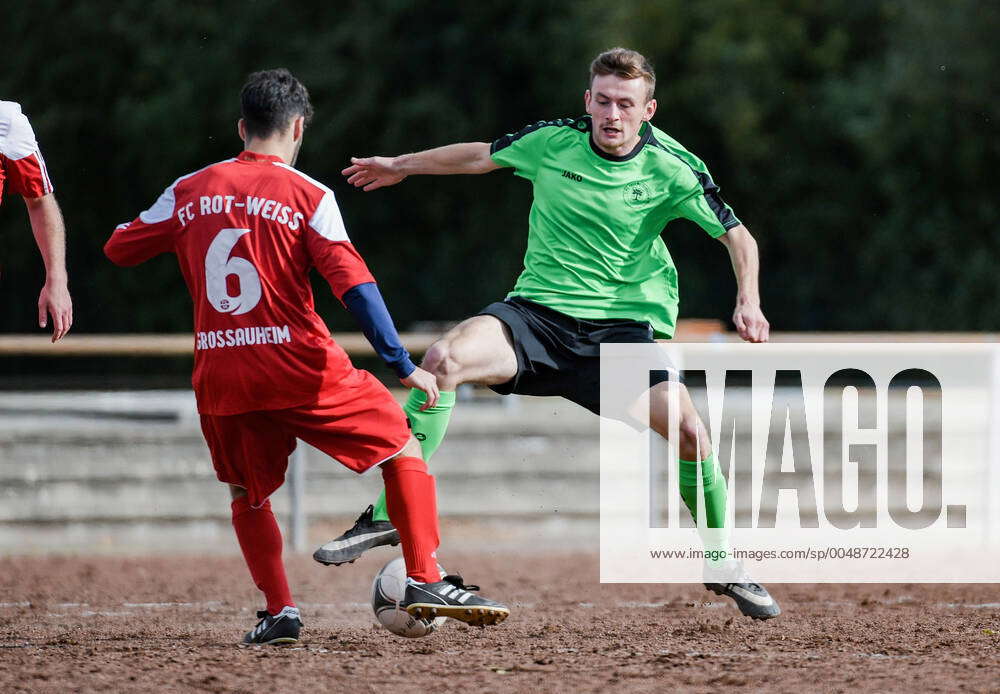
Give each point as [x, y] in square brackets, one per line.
[669, 399]
[440, 360]
[693, 436]
[691, 433]
[410, 458]
[410, 450]
[479, 350]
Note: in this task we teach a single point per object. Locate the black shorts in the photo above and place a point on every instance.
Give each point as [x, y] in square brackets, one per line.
[560, 355]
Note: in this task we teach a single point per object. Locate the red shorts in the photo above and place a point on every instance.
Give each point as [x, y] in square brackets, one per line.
[358, 423]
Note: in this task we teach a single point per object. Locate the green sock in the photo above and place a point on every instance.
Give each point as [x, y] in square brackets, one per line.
[714, 485]
[429, 427]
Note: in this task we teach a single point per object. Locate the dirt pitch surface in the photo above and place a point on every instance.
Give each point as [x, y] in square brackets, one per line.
[172, 625]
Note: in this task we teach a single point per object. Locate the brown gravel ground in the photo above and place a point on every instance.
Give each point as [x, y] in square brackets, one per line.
[172, 625]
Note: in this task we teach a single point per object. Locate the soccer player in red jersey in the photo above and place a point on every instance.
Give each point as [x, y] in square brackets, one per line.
[246, 231]
[23, 169]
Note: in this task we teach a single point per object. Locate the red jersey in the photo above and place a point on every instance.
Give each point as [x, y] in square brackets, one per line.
[246, 232]
[21, 163]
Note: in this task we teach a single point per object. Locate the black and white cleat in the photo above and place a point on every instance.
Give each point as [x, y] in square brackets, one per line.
[276, 629]
[363, 536]
[450, 597]
[732, 581]
[752, 598]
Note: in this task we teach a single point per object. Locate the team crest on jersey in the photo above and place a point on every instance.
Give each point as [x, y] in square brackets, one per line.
[637, 193]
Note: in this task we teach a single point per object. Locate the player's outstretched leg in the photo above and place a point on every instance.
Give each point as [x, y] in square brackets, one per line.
[373, 527]
[477, 350]
[702, 483]
[260, 540]
[429, 426]
[723, 577]
[412, 500]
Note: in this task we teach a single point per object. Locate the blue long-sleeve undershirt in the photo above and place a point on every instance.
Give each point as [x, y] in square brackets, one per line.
[366, 304]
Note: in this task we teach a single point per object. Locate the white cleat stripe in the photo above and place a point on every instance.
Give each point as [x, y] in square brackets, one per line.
[335, 545]
[752, 597]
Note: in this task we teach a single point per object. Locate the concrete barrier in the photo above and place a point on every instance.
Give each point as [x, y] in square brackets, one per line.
[121, 471]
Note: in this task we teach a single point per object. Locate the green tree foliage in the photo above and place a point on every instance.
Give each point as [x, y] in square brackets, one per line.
[856, 139]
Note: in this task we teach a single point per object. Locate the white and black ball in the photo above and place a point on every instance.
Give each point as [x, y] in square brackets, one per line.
[387, 591]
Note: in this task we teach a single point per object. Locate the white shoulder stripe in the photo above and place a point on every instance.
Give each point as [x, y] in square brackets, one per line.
[312, 180]
[163, 208]
[327, 222]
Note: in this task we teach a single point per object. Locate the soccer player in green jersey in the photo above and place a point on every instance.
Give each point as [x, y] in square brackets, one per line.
[596, 270]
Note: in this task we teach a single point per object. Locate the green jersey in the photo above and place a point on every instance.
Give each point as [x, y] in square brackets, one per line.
[594, 246]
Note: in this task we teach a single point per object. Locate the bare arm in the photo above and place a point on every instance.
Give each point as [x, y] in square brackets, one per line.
[378, 172]
[50, 235]
[748, 317]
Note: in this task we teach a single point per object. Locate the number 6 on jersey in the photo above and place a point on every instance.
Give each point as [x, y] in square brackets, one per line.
[218, 267]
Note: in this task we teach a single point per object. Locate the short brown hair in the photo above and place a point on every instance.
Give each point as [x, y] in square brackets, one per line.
[625, 63]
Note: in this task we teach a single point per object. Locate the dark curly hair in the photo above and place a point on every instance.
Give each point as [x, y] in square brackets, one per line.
[271, 98]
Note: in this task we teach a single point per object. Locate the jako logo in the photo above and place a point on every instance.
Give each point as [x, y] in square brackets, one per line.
[575, 176]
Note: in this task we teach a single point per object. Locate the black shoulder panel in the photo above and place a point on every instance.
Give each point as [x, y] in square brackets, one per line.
[582, 124]
[711, 190]
[725, 215]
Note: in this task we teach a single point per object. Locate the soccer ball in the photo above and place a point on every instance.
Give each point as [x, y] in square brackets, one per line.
[387, 590]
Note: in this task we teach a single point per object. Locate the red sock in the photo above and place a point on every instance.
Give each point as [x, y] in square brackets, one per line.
[411, 498]
[260, 539]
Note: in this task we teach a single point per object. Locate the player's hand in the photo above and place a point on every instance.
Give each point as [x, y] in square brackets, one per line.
[55, 301]
[425, 381]
[751, 324]
[372, 172]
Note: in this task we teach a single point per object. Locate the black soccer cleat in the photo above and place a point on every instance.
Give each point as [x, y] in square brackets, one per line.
[363, 535]
[450, 597]
[276, 630]
[752, 598]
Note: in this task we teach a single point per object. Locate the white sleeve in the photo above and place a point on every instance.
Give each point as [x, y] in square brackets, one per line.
[327, 220]
[17, 139]
[19, 153]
